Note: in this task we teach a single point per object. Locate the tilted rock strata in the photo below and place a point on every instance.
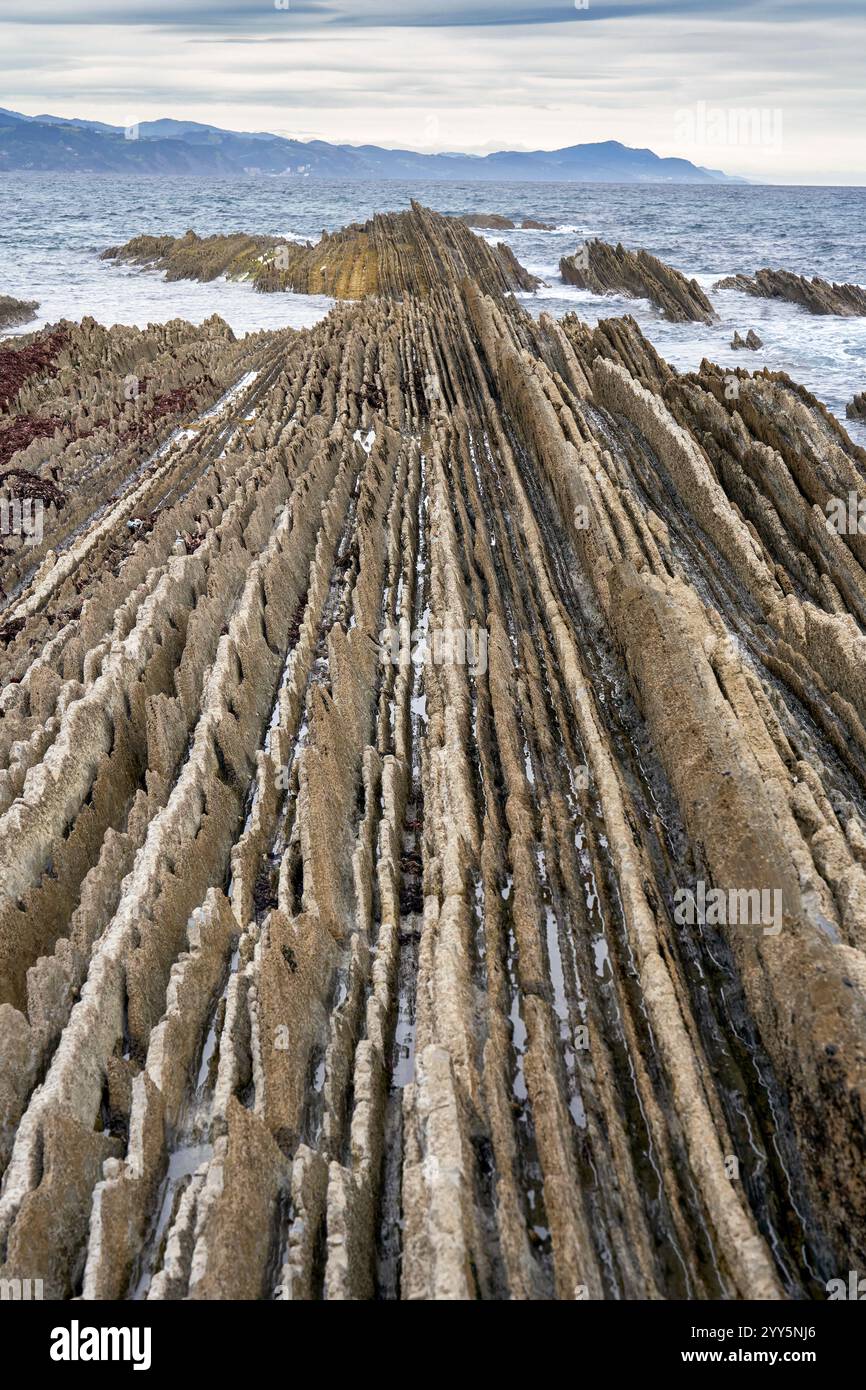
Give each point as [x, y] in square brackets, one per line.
[335, 969]
[606, 269]
[394, 253]
[191, 257]
[84, 409]
[817, 295]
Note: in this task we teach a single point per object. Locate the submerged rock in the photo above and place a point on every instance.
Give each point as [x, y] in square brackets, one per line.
[490, 221]
[494, 221]
[817, 295]
[607, 269]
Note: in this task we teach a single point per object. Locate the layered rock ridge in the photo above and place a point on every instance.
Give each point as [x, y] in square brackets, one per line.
[358, 813]
[816, 295]
[606, 269]
[392, 254]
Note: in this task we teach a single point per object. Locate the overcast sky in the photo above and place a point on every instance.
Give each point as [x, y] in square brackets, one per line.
[771, 89]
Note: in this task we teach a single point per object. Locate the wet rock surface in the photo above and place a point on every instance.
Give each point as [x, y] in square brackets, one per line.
[751, 341]
[491, 221]
[817, 295]
[393, 253]
[607, 269]
[494, 221]
[856, 408]
[379, 690]
[16, 311]
[612, 270]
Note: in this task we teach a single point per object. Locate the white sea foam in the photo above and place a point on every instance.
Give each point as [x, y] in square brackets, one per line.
[80, 284]
[824, 353]
[56, 227]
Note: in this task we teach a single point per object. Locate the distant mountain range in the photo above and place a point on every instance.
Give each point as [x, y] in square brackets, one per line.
[57, 145]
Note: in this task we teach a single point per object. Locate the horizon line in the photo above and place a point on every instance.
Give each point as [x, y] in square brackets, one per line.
[735, 178]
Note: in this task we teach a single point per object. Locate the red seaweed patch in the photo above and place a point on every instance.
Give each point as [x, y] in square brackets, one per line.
[19, 363]
[22, 430]
[29, 485]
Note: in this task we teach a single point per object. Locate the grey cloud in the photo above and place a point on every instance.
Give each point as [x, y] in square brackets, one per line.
[245, 14]
[326, 63]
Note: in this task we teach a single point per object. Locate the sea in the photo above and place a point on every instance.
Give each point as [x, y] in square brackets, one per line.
[53, 229]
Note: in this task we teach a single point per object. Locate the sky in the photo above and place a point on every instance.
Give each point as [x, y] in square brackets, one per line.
[769, 89]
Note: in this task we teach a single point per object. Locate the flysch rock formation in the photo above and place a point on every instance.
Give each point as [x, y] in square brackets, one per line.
[606, 269]
[83, 410]
[817, 295]
[393, 253]
[346, 804]
[16, 311]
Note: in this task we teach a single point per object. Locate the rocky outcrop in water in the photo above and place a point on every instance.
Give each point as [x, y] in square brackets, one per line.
[394, 253]
[494, 221]
[856, 408]
[237, 255]
[433, 842]
[817, 295]
[16, 311]
[751, 341]
[489, 221]
[606, 269]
